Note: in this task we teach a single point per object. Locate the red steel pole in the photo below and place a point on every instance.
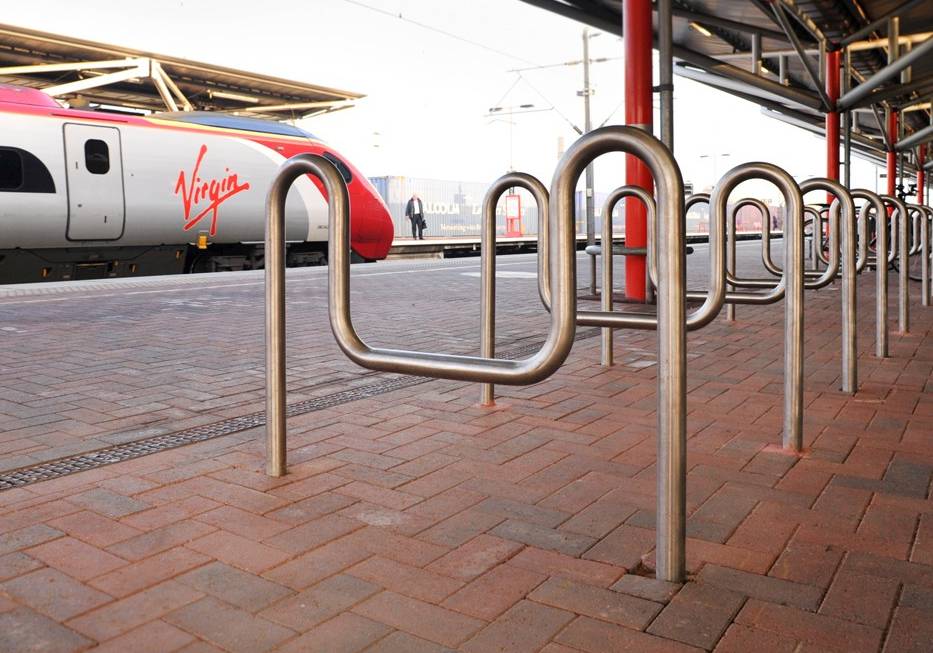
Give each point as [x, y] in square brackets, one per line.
[892, 155]
[637, 34]
[832, 117]
[921, 174]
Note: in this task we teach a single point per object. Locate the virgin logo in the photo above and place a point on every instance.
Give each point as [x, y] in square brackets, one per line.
[203, 197]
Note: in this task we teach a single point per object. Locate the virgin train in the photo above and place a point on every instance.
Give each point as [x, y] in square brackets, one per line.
[92, 194]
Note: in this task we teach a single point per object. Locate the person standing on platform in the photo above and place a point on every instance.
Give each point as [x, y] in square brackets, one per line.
[414, 211]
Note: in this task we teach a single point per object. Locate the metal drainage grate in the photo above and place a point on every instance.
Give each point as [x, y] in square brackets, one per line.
[128, 451]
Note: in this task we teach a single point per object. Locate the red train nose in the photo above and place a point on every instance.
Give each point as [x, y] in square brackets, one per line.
[371, 229]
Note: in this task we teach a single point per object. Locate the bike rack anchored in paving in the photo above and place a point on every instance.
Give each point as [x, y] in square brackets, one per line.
[666, 270]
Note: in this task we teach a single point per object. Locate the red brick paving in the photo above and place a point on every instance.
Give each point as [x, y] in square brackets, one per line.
[417, 522]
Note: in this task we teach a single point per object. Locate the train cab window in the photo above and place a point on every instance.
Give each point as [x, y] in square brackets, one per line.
[11, 170]
[340, 165]
[96, 156]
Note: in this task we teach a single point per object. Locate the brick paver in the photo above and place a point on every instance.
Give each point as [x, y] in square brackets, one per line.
[418, 522]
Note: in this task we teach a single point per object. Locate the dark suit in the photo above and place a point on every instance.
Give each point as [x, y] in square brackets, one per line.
[414, 211]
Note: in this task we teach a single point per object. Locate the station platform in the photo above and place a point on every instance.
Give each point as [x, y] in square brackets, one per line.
[437, 247]
[135, 514]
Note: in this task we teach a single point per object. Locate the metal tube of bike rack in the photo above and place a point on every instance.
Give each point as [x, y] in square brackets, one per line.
[812, 280]
[816, 237]
[445, 366]
[924, 256]
[846, 225]
[890, 227]
[915, 229]
[922, 239]
[792, 281]
[276, 464]
[670, 321]
[700, 317]
[730, 261]
[862, 227]
[717, 295]
[893, 239]
[768, 262]
[488, 261]
[824, 219]
[606, 253]
[903, 261]
[861, 245]
[766, 259]
[881, 270]
[815, 219]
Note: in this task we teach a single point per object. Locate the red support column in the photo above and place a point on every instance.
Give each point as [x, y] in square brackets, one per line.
[921, 174]
[637, 34]
[832, 118]
[892, 155]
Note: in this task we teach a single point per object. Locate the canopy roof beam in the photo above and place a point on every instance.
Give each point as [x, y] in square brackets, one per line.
[725, 23]
[882, 21]
[781, 13]
[865, 89]
[925, 135]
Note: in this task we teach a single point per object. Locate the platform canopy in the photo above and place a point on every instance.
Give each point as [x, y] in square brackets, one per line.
[85, 73]
[716, 42]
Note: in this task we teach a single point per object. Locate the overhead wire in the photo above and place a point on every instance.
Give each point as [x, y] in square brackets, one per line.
[438, 30]
[553, 106]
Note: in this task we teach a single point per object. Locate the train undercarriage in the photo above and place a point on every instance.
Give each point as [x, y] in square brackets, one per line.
[64, 264]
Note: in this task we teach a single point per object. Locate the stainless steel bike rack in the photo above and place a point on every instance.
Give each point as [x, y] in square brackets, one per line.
[444, 366]
[890, 227]
[790, 287]
[903, 262]
[845, 224]
[488, 261]
[925, 247]
[607, 254]
[921, 221]
[915, 229]
[815, 218]
[926, 252]
[881, 271]
[730, 251]
[670, 320]
[813, 279]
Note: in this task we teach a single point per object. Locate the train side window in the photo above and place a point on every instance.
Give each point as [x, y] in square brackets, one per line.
[96, 156]
[11, 170]
[340, 165]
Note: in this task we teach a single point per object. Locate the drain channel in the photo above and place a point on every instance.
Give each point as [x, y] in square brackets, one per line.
[128, 451]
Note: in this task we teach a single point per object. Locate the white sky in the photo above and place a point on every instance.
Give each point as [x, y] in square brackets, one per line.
[428, 93]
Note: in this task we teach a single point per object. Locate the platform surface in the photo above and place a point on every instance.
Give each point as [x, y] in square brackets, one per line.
[413, 520]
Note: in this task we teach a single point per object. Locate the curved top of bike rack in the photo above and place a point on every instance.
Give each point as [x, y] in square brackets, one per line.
[876, 205]
[718, 208]
[445, 366]
[919, 213]
[651, 211]
[542, 198]
[766, 260]
[668, 181]
[844, 204]
[693, 200]
[900, 212]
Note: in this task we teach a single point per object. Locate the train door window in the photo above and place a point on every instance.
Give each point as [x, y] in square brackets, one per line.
[11, 170]
[341, 167]
[96, 156]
